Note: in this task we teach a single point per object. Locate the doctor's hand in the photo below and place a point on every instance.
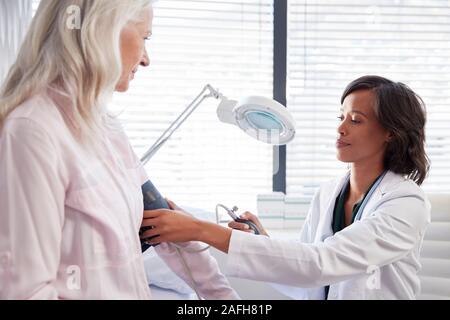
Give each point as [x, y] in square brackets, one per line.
[243, 227]
[170, 226]
[173, 206]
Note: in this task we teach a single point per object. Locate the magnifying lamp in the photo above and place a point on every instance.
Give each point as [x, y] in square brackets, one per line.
[261, 118]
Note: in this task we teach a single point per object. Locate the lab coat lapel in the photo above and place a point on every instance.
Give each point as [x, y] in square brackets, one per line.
[327, 202]
[389, 179]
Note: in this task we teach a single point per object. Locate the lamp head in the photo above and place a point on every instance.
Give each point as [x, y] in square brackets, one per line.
[261, 118]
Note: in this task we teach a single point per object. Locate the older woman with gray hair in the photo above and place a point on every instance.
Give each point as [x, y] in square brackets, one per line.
[70, 194]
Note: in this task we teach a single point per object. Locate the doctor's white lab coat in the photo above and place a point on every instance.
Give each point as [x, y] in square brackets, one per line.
[374, 258]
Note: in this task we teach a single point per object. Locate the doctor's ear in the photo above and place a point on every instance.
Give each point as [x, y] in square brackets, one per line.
[389, 137]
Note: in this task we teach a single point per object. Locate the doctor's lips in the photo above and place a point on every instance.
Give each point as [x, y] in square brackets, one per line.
[340, 143]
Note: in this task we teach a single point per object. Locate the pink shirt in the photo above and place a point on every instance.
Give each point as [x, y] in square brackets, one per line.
[69, 222]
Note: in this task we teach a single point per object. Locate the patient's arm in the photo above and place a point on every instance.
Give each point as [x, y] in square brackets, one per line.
[209, 281]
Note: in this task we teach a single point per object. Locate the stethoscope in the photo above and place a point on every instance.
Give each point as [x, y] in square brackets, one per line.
[368, 196]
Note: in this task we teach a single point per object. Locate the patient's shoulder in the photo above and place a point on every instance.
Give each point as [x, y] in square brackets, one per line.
[40, 111]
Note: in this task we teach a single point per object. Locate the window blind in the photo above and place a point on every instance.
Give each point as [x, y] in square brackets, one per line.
[228, 44]
[331, 43]
[14, 20]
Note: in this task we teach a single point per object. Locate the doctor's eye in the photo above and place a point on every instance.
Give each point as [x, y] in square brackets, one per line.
[355, 120]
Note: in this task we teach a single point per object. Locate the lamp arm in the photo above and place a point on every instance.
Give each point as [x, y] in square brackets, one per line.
[213, 93]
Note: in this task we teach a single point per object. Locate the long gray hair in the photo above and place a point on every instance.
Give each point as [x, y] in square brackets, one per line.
[83, 61]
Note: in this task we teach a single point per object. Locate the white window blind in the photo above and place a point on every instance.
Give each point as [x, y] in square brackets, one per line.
[14, 20]
[331, 43]
[228, 44]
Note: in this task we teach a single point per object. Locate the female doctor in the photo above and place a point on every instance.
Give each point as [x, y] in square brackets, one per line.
[363, 234]
[71, 203]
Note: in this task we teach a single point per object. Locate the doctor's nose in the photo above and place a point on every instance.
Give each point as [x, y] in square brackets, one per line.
[341, 129]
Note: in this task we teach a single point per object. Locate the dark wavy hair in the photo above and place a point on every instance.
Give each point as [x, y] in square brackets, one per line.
[402, 112]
